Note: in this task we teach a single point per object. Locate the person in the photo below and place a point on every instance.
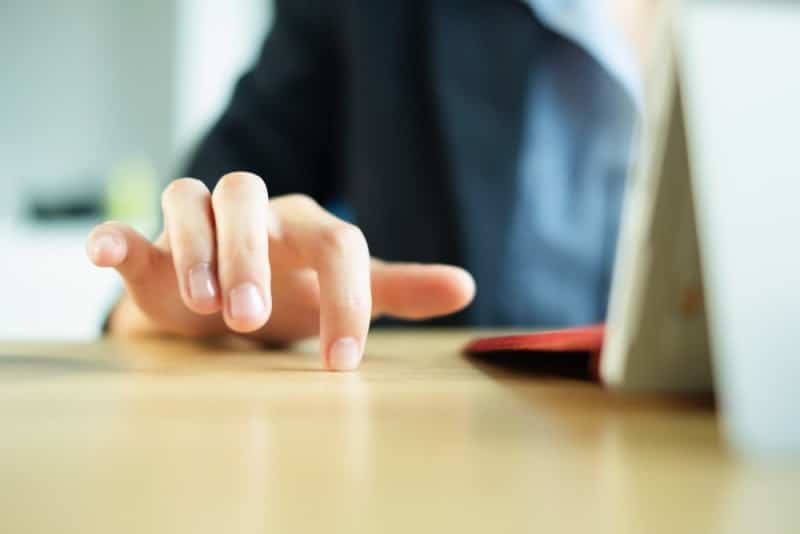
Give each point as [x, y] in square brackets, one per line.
[471, 141]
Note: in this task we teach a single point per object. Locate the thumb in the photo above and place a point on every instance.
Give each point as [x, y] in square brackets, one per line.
[418, 291]
[117, 245]
[149, 277]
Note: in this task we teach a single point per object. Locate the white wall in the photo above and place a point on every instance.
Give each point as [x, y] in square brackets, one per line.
[89, 83]
[85, 85]
[216, 41]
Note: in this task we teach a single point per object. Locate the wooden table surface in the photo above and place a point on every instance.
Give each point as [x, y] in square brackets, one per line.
[168, 436]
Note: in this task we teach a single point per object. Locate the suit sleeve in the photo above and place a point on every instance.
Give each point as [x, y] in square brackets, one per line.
[281, 118]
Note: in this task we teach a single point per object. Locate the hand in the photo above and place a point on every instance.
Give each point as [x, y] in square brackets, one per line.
[281, 270]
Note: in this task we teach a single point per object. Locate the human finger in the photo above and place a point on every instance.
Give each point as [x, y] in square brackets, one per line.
[189, 222]
[239, 203]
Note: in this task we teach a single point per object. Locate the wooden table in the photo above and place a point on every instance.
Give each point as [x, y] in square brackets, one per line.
[167, 436]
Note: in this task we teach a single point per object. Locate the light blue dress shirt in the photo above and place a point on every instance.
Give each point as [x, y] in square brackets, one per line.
[581, 112]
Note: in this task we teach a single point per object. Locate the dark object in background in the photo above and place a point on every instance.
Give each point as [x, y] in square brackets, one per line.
[41, 210]
[81, 201]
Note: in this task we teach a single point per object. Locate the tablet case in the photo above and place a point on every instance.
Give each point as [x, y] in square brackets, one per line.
[549, 352]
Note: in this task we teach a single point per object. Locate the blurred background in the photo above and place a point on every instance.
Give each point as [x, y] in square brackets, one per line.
[100, 101]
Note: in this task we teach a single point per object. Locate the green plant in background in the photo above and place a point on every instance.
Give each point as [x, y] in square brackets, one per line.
[132, 195]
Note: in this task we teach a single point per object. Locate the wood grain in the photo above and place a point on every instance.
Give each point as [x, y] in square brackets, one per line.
[169, 436]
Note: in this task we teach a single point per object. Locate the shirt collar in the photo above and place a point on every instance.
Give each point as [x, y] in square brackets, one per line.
[588, 24]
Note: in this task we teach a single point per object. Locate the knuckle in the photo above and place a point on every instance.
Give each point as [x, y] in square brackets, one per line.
[342, 238]
[356, 302]
[186, 247]
[142, 267]
[239, 183]
[251, 244]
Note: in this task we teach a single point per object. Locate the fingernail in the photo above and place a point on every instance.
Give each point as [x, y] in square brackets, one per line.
[246, 302]
[201, 282]
[344, 354]
[104, 243]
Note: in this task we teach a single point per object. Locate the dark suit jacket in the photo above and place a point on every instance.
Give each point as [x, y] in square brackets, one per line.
[411, 111]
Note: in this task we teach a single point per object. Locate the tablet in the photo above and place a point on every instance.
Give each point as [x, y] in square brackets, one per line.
[657, 335]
